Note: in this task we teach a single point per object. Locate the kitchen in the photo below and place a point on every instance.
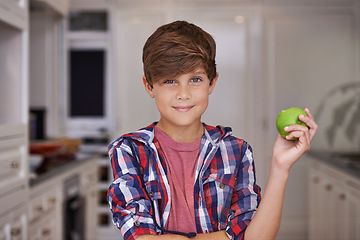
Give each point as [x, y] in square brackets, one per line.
[284, 53]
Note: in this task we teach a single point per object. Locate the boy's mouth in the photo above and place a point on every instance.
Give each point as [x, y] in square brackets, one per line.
[183, 109]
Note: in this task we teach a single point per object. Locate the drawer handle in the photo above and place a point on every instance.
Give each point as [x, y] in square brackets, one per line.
[328, 187]
[52, 200]
[342, 196]
[39, 208]
[316, 179]
[15, 164]
[15, 231]
[46, 232]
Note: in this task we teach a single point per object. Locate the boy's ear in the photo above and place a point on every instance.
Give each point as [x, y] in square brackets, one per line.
[148, 88]
[213, 83]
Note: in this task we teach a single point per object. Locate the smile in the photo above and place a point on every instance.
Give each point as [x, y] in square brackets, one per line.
[183, 109]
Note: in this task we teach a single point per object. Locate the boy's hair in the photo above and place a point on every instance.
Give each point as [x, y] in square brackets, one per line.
[178, 48]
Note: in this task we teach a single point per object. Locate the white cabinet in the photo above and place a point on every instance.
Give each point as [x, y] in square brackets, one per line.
[59, 6]
[47, 202]
[14, 12]
[334, 207]
[44, 212]
[13, 225]
[13, 118]
[89, 191]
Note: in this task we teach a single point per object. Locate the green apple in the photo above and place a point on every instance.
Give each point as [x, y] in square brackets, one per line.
[289, 117]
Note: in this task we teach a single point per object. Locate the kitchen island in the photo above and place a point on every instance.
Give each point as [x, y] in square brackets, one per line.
[63, 200]
[333, 197]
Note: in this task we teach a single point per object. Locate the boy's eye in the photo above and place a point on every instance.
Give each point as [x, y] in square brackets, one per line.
[169, 81]
[196, 80]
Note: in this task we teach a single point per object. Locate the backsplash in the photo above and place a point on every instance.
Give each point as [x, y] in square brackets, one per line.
[338, 117]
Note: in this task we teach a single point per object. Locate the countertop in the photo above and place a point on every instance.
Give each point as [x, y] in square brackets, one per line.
[79, 159]
[347, 162]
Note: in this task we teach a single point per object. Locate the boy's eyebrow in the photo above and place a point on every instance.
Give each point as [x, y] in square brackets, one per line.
[199, 72]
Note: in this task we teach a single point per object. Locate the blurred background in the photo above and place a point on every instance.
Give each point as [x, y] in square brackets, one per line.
[70, 82]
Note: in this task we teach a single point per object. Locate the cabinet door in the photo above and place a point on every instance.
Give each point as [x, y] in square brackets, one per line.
[89, 186]
[13, 225]
[11, 164]
[14, 12]
[341, 211]
[91, 214]
[315, 203]
[354, 210]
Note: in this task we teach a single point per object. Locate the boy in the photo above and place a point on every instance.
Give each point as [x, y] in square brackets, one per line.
[179, 176]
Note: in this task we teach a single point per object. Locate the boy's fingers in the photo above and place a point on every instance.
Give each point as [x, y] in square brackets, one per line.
[309, 121]
[296, 127]
[303, 138]
[297, 130]
[308, 113]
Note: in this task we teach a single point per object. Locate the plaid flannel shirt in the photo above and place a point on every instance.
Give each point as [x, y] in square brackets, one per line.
[226, 195]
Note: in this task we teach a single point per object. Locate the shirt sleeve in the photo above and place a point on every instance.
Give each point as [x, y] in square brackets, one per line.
[246, 196]
[128, 202]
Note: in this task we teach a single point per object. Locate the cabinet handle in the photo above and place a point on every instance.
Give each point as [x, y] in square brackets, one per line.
[342, 196]
[328, 187]
[15, 164]
[46, 232]
[15, 231]
[316, 179]
[52, 200]
[39, 208]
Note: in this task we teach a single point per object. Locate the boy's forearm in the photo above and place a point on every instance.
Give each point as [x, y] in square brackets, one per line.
[220, 235]
[268, 216]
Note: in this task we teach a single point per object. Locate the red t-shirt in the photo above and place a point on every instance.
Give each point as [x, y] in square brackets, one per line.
[181, 160]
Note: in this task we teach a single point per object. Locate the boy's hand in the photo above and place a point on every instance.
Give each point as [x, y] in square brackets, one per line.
[286, 152]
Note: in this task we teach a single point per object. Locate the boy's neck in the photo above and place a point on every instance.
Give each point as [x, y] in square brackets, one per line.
[182, 134]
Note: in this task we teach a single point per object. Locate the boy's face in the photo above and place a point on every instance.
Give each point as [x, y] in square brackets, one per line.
[182, 100]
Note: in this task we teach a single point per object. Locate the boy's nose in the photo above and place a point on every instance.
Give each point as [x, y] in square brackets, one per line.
[183, 93]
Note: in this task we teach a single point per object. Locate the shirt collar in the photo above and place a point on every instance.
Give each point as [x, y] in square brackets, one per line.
[212, 134]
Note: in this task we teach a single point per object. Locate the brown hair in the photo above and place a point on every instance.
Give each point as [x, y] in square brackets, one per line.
[177, 48]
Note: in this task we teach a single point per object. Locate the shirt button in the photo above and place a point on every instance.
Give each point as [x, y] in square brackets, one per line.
[221, 186]
[151, 194]
[137, 223]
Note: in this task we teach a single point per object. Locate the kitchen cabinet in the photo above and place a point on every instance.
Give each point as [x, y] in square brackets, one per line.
[60, 6]
[334, 207]
[13, 118]
[52, 194]
[90, 190]
[44, 212]
[13, 224]
[14, 12]
[47, 84]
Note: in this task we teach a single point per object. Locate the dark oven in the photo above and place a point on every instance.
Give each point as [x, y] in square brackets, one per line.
[74, 205]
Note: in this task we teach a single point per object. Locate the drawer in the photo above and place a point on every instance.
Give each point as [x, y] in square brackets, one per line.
[43, 229]
[47, 231]
[12, 165]
[13, 195]
[89, 178]
[41, 203]
[13, 225]
[50, 200]
[36, 208]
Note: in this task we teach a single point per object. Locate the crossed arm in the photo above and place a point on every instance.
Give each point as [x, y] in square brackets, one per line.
[268, 215]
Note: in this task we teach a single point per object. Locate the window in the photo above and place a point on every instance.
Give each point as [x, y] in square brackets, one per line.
[87, 80]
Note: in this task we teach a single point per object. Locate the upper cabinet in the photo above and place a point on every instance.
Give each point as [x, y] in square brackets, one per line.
[13, 71]
[59, 6]
[13, 117]
[14, 12]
